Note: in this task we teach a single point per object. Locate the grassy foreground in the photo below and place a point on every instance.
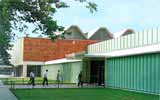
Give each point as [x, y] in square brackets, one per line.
[80, 94]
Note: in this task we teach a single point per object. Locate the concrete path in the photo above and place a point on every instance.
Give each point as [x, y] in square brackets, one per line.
[41, 86]
[5, 93]
[53, 86]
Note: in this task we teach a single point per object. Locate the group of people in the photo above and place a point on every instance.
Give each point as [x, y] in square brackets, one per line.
[32, 79]
[59, 79]
[45, 78]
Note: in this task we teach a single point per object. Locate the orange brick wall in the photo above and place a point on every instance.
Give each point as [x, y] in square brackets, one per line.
[40, 49]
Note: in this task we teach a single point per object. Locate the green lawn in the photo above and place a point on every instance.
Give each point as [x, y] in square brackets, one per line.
[80, 94]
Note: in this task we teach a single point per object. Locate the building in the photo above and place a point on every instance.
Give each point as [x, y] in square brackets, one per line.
[124, 32]
[131, 62]
[100, 33]
[75, 33]
[5, 69]
[37, 54]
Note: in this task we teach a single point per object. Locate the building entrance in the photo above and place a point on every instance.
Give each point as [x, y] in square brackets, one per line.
[97, 71]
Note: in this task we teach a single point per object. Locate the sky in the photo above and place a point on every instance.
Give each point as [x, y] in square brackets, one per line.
[115, 15]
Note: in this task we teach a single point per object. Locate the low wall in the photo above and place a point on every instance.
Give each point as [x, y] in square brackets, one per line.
[68, 70]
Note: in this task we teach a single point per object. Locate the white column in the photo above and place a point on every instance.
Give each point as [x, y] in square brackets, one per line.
[24, 71]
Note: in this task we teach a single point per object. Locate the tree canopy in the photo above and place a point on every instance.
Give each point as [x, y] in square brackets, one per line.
[15, 14]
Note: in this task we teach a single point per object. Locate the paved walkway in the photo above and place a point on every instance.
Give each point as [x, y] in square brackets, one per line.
[52, 86]
[5, 93]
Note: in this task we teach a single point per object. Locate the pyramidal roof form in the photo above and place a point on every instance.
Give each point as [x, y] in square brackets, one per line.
[89, 34]
[74, 26]
[123, 32]
[77, 28]
[94, 31]
[70, 27]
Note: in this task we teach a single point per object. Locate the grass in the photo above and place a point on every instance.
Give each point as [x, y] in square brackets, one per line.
[19, 81]
[80, 94]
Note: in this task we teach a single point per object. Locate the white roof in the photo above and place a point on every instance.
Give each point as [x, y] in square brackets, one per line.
[94, 31]
[58, 61]
[130, 51]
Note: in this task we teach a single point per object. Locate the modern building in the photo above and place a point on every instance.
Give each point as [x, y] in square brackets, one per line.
[131, 62]
[37, 54]
[127, 61]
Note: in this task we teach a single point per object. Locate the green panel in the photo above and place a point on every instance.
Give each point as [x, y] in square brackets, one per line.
[138, 73]
[76, 68]
[86, 70]
[66, 72]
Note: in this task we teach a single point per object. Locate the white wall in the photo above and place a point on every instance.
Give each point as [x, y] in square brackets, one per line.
[74, 69]
[17, 52]
[52, 70]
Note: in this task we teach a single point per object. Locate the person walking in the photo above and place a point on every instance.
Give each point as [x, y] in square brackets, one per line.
[45, 78]
[32, 79]
[80, 82]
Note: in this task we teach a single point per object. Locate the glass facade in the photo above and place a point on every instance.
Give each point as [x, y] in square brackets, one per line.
[36, 69]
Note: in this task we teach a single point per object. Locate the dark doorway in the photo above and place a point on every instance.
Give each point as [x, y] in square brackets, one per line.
[18, 71]
[36, 69]
[97, 71]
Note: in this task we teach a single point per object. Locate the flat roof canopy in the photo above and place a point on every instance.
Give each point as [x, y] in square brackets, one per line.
[127, 52]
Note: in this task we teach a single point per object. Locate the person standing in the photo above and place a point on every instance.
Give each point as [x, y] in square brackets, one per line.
[45, 78]
[80, 82]
[12, 74]
[59, 77]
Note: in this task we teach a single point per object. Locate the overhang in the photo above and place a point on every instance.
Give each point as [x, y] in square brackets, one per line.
[64, 60]
[127, 52]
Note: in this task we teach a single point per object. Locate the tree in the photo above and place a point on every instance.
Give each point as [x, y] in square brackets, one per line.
[15, 14]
